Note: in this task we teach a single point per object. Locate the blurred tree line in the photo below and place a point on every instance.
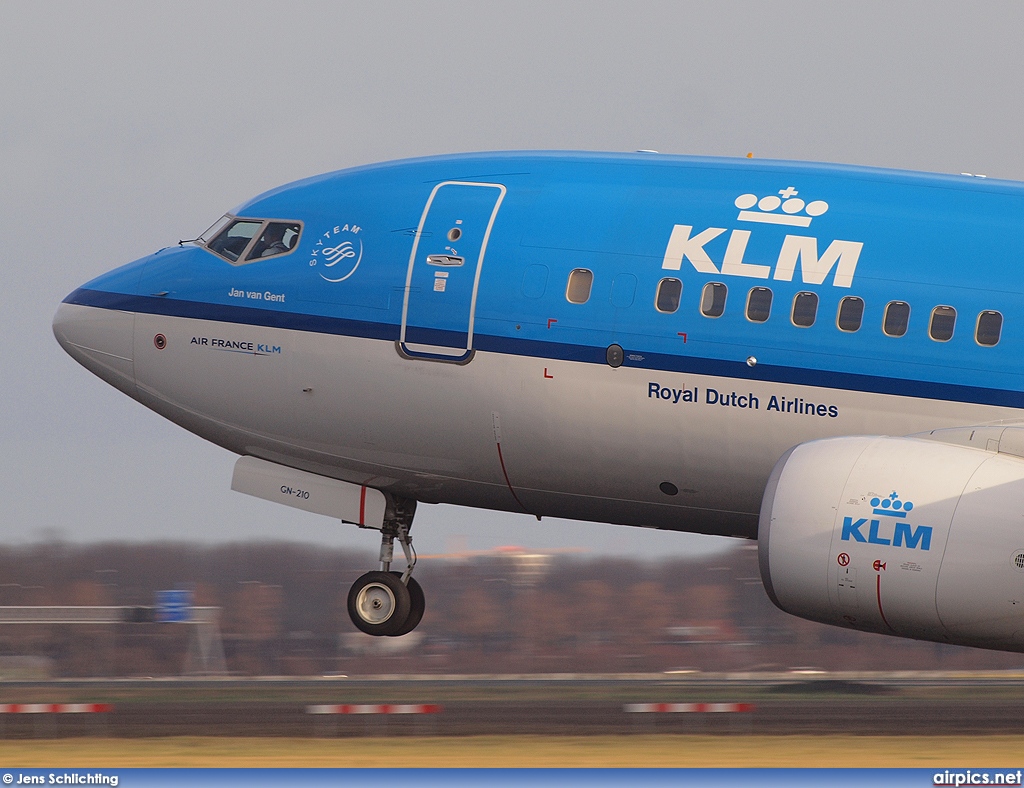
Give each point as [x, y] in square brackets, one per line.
[283, 612]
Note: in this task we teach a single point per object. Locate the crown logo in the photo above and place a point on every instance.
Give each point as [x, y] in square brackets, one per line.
[891, 506]
[791, 205]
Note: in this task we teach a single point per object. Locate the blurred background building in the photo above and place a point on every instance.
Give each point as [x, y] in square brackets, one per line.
[283, 612]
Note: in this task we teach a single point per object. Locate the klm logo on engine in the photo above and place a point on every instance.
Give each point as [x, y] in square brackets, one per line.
[786, 209]
[894, 530]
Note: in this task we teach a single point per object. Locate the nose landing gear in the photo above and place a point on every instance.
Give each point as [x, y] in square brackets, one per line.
[384, 602]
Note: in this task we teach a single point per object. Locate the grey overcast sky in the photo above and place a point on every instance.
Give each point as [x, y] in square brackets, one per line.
[125, 126]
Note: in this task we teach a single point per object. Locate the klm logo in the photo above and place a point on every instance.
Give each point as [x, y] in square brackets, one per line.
[893, 530]
[797, 250]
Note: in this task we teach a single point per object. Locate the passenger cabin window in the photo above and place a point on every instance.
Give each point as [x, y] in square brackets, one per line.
[669, 293]
[535, 279]
[578, 289]
[897, 318]
[246, 240]
[805, 309]
[990, 326]
[759, 304]
[940, 328]
[851, 313]
[623, 291]
[712, 299]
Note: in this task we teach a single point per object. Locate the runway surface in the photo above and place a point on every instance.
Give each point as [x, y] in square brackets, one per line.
[783, 705]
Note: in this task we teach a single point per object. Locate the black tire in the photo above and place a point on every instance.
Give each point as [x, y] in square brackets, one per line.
[418, 604]
[379, 603]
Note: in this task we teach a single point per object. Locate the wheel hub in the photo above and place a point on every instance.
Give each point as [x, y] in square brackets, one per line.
[375, 603]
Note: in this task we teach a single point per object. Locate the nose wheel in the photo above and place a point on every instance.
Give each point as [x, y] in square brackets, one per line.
[379, 603]
[417, 604]
[384, 602]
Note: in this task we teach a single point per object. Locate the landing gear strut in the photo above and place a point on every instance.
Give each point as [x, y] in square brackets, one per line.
[384, 602]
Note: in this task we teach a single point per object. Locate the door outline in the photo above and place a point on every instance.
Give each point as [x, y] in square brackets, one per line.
[440, 352]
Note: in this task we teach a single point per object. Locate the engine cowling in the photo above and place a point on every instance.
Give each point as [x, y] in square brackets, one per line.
[902, 536]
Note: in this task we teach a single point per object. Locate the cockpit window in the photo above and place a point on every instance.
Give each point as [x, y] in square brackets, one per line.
[246, 240]
[232, 240]
[276, 238]
[214, 229]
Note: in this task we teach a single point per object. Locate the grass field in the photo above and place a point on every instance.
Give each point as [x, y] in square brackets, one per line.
[523, 751]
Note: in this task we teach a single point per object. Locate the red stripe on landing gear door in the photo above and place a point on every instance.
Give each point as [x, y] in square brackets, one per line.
[362, 506]
[509, 483]
[878, 591]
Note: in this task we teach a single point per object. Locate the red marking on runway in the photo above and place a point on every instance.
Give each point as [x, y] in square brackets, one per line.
[55, 708]
[687, 708]
[377, 708]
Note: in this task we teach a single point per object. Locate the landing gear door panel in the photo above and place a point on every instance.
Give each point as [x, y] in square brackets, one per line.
[350, 503]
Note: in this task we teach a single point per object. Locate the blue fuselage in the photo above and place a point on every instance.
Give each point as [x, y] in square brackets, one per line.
[682, 302]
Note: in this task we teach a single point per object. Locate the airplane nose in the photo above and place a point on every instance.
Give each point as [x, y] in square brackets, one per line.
[99, 339]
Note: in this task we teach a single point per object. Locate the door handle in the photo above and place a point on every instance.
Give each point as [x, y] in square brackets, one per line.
[445, 260]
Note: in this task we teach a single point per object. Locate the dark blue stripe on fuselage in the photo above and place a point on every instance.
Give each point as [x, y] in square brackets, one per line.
[198, 310]
[655, 362]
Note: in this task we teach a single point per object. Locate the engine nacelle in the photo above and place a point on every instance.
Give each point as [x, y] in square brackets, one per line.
[902, 536]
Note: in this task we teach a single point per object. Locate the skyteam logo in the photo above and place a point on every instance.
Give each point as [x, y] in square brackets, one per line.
[338, 252]
[784, 208]
[893, 531]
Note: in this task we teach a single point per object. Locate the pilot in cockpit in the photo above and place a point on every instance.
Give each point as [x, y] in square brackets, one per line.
[272, 241]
